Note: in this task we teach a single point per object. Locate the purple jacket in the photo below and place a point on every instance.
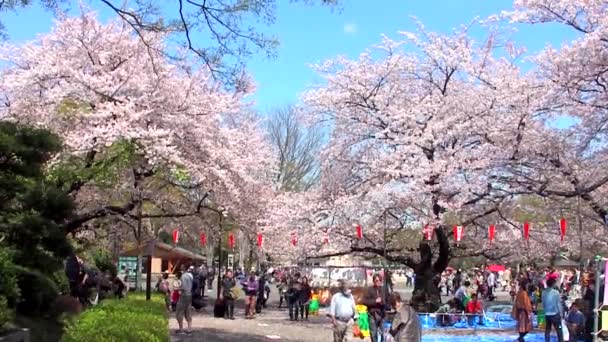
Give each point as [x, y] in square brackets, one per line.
[250, 287]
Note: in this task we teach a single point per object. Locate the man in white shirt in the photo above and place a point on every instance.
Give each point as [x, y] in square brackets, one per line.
[343, 313]
[491, 281]
[184, 304]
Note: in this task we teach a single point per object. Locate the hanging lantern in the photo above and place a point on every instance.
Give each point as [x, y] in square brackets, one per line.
[428, 232]
[203, 239]
[294, 239]
[458, 231]
[325, 238]
[562, 229]
[491, 233]
[260, 240]
[231, 240]
[359, 232]
[526, 231]
[175, 236]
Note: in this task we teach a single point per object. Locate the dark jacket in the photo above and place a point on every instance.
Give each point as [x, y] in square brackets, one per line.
[305, 293]
[227, 285]
[369, 300]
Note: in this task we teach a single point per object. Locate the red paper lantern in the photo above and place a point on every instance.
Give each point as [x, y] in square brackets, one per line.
[562, 228]
[203, 239]
[491, 233]
[428, 232]
[175, 236]
[359, 232]
[526, 231]
[231, 240]
[260, 240]
[458, 231]
[325, 238]
[294, 239]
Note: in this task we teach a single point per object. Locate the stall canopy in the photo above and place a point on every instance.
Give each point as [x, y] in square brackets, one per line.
[162, 250]
[496, 268]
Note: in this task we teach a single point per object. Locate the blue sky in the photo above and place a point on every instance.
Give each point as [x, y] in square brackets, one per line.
[309, 34]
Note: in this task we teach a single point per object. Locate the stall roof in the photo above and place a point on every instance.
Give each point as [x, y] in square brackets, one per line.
[564, 262]
[162, 250]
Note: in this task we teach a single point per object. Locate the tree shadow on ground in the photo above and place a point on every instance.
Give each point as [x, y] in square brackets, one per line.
[216, 335]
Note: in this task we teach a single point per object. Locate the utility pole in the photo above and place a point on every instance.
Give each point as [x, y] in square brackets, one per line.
[596, 302]
[219, 258]
[386, 274]
[580, 229]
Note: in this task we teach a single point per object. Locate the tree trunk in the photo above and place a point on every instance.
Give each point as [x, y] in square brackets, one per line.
[427, 296]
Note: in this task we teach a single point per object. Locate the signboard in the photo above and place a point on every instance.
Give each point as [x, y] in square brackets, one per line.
[605, 285]
[230, 261]
[128, 265]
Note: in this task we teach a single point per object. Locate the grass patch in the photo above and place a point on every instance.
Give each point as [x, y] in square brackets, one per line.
[130, 319]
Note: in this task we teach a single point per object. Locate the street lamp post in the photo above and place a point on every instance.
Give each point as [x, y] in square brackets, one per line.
[386, 274]
[219, 248]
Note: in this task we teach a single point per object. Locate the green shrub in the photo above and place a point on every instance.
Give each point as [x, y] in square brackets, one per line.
[61, 281]
[130, 319]
[6, 314]
[37, 291]
[9, 292]
[103, 261]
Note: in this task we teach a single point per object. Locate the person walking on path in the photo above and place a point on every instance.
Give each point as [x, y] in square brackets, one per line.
[250, 285]
[227, 294]
[373, 299]
[184, 304]
[343, 313]
[553, 310]
[522, 311]
[304, 297]
[293, 296]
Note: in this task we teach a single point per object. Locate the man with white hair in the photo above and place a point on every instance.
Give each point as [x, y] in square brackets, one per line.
[184, 303]
[343, 313]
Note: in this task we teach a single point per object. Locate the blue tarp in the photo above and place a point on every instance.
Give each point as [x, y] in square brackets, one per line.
[485, 338]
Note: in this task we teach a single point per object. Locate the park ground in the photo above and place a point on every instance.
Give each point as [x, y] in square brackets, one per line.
[271, 324]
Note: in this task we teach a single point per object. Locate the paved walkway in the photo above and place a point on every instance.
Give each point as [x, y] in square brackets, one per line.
[271, 324]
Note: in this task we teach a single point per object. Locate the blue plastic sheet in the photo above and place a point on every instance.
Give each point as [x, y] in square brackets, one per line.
[484, 338]
[492, 320]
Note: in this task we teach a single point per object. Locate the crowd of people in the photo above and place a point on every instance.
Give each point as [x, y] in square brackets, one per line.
[564, 297]
[562, 301]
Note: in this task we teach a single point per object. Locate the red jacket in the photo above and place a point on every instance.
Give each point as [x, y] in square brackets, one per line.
[474, 306]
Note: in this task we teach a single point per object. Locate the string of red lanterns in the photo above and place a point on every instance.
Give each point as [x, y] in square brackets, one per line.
[428, 232]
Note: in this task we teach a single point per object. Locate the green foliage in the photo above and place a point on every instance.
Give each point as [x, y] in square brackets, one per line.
[38, 291]
[102, 169]
[6, 314]
[180, 174]
[103, 261]
[61, 281]
[165, 237]
[130, 319]
[32, 211]
[8, 286]
[72, 108]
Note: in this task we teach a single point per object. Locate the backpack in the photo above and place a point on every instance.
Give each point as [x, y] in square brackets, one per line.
[195, 285]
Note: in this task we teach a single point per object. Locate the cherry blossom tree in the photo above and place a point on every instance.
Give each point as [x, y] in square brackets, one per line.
[97, 85]
[422, 137]
[575, 82]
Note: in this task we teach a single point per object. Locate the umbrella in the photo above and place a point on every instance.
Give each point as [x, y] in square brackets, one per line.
[496, 268]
